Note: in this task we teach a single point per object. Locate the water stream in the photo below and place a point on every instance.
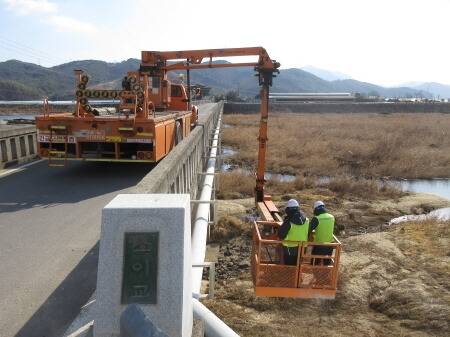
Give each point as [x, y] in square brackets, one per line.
[2, 117]
[439, 187]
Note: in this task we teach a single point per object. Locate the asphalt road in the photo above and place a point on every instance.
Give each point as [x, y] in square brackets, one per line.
[50, 221]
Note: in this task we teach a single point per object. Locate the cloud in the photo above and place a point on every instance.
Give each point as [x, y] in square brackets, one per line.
[71, 25]
[26, 7]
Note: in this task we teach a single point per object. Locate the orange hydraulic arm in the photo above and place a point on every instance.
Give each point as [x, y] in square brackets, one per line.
[156, 63]
[195, 58]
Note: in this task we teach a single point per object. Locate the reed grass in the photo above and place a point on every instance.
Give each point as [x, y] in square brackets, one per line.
[228, 227]
[395, 146]
[237, 185]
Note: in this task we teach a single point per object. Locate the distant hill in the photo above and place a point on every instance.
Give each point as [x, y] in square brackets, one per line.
[56, 83]
[326, 75]
[437, 90]
[27, 81]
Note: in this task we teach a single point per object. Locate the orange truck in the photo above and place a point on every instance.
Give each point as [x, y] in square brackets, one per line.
[153, 114]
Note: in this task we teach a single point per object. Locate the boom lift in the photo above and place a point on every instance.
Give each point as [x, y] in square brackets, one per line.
[154, 115]
[307, 279]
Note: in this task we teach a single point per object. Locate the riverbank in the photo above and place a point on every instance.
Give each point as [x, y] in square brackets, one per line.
[393, 277]
[379, 262]
[33, 109]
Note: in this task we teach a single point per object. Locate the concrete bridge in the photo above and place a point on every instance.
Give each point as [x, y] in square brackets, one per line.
[177, 173]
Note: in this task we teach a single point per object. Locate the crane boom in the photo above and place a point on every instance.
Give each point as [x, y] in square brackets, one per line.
[159, 63]
[195, 58]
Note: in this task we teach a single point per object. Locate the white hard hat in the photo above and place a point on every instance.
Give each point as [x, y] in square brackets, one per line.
[292, 203]
[318, 203]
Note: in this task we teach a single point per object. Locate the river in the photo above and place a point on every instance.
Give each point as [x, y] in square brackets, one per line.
[3, 117]
[439, 187]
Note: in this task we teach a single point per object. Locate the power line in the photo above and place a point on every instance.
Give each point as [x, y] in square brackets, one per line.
[22, 53]
[30, 52]
[22, 49]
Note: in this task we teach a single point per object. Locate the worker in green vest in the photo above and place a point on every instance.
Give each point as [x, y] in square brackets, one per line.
[295, 227]
[322, 224]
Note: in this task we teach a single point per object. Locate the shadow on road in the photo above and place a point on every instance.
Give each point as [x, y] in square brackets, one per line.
[42, 186]
[60, 309]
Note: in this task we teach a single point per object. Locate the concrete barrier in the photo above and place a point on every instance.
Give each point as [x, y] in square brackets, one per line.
[134, 323]
[17, 144]
[145, 258]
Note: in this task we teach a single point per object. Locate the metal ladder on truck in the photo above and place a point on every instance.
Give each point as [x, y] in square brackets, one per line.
[53, 152]
[128, 104]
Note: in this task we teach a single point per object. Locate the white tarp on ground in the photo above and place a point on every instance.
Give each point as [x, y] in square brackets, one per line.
[442, 214]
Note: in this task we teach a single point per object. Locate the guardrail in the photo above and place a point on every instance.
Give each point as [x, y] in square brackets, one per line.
[17, 144]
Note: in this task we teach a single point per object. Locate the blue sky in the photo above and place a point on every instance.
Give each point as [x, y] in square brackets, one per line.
[385, 42]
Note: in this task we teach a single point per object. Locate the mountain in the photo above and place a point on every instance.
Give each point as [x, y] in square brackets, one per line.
[326, 75]
[243, 80]
[27, 81]
[437, 90]
[35, 82]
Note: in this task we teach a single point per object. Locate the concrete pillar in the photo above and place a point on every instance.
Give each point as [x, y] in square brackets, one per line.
[145, 258]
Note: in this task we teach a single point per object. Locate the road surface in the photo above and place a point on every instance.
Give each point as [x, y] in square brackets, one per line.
[50, 221]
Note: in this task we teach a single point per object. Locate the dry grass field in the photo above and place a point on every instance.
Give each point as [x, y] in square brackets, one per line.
[391, 283]
[394, 279]
[337, 145]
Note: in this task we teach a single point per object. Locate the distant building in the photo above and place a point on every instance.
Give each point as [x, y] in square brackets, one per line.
[312, 97]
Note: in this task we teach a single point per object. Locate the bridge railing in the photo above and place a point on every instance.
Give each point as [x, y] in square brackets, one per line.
[17, 144]
[178, 171]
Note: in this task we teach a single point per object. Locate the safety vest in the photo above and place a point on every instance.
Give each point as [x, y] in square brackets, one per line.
[325, 228]
[297, 233]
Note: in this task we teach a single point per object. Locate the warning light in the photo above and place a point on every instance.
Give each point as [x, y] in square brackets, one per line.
[144, 155]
